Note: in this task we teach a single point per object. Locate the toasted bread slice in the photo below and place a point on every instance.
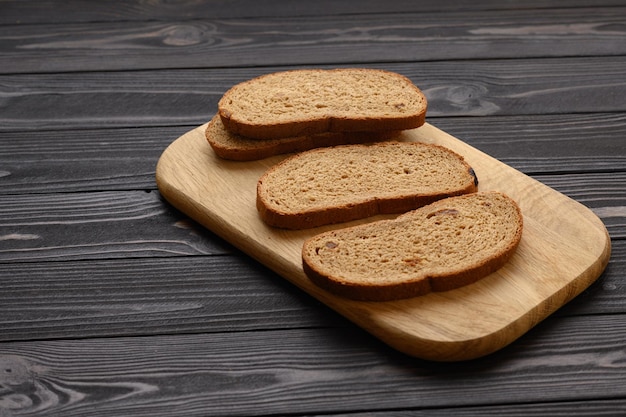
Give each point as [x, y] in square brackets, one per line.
[349, 182]
[234, 147]
[312, 101]
[448, 244]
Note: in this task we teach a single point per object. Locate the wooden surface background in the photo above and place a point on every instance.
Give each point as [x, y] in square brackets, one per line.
[113, 303]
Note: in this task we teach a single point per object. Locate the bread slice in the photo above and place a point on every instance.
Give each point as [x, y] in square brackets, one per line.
[341, 183]
[311, 101]
[439, 247]
[230, 146]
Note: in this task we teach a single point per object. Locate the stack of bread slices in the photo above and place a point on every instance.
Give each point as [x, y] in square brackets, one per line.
[341, 127]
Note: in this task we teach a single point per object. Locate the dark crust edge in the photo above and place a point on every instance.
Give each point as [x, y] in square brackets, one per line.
[259, 149]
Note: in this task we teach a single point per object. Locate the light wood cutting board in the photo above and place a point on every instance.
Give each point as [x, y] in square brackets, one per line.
[564, 248]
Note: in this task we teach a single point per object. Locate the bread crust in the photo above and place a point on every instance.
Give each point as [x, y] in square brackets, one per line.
[359, 207]
[423, 281]
[400, 115]
[228, 145]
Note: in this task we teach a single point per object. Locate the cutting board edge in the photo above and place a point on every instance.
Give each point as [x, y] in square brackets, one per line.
[488, 343]
[410, 344]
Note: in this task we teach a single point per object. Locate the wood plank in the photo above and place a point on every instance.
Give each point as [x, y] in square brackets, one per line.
[295, 372]
[38, 11]
[547, 144]
[193, 294]
[591, 408]
[98, 225]
[189, 97]
[125, 159]
[103, 298]
[82, 160]
[355, 39]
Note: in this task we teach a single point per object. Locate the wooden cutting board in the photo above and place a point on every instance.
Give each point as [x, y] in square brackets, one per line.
[564, 248]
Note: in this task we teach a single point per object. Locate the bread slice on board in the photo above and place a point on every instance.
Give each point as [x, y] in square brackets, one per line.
[234, 147]
[311, 101]
[439, 247]
[342, 183]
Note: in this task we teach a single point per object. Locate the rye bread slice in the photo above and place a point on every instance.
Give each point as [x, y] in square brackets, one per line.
[448, 244]
[342, 183]
[312, 101]
[234, 147]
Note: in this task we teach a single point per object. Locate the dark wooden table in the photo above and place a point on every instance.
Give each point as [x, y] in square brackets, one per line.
[112, 303]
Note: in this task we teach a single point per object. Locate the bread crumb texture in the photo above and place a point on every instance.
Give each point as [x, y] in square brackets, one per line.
[442, 246]
[341, 183]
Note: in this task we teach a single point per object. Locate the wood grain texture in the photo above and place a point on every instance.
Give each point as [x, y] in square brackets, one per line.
[104, 298]
[36, 11]
[355, 39]
[189, 97]
[562, 252]
[550, 144]
[589, 408]
[295, 372]
[82, 160]
[96, 226]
